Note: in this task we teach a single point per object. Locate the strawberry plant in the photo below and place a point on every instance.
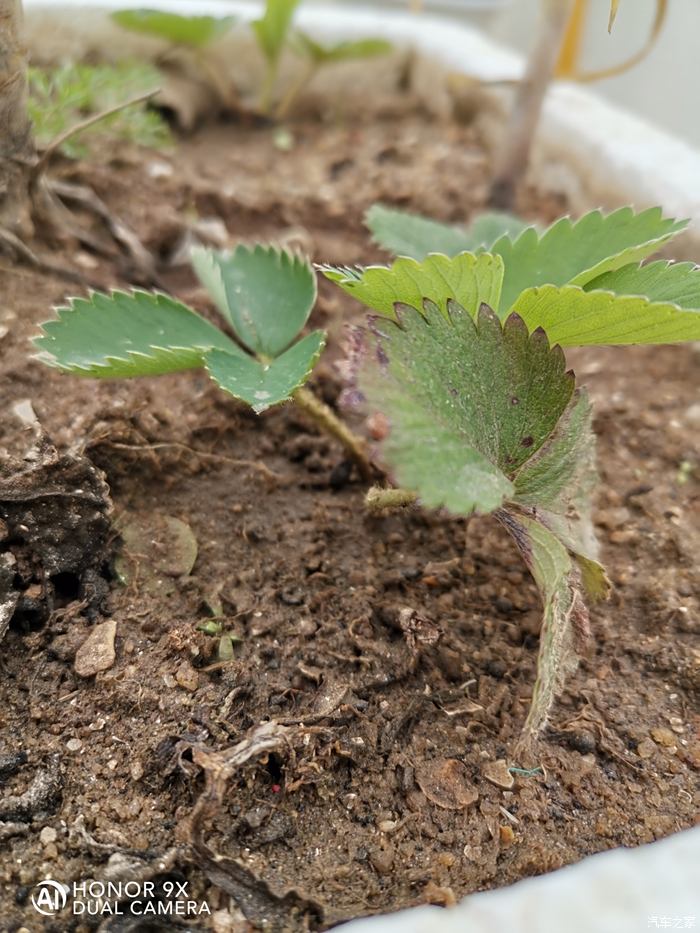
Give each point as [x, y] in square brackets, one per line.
[273, 34]
[463, 360]
[264, 296]
[194, 32]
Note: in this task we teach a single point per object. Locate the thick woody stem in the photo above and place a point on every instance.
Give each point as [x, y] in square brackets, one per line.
[17, 152]
[514, 155]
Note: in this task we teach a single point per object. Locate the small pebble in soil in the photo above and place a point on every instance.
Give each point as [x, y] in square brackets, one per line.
[496, 772]
[47, 835]
[187, 677]
[664, 737]
[74, 745]
[97, 652]
[646, 748]
[382, 859]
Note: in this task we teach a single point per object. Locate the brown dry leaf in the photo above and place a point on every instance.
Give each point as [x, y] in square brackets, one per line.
[446, 783]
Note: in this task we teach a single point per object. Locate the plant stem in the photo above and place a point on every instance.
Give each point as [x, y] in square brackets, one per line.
[17, 152]
[297, 86]
[379, 499]
[268, 87]
[329, 422]
[85, 124]
[514, 154]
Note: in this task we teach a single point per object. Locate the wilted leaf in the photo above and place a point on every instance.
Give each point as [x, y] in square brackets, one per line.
[262, 385]
[265, 294]
[195, 31]
[556, 578]
[577, 252]
[128, 334]
[407, 234]
[466, 278]
[484, 416]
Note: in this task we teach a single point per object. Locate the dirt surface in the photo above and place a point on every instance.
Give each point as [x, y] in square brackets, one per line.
[392, 658]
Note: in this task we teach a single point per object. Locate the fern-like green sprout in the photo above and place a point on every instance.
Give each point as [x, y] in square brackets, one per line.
[264, 295]
[464, 360]
[62, 97]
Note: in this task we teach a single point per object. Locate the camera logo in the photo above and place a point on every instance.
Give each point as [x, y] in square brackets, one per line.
[49, 898]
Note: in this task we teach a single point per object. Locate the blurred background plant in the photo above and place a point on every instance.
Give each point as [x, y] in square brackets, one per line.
[60, 98]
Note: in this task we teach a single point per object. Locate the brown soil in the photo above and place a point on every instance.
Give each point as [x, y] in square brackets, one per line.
[343, 812]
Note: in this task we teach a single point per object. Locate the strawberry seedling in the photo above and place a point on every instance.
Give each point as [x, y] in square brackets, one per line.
[463, 360]
[264, 296]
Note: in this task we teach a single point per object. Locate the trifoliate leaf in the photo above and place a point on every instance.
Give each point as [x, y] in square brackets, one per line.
[468, 402]
[194, 31]
[577, 252]
[129, 334]
[272, 28]
[265, 294]
[468, 279]
[573, 317]
[407, 234]
[262, 385]
[349, 50]
[675, 283]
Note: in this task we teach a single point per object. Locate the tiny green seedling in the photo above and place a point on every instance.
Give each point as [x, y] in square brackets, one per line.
[65, 97]
[318, 56]
[464, 361]
[227, 637]
[264, 295]
[272, 33]
[194, 34]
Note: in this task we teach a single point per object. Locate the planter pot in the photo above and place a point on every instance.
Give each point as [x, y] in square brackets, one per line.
[595, 154]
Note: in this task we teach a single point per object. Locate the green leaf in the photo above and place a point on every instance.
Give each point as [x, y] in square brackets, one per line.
[468, 279]
[262, 385]
[350, 50]
[677, 283]
[578, 252]
[469, 402]
[573, 317]
[407, 234]
[273, 27]
[194, 31]
[128, 334]
[265, 294]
